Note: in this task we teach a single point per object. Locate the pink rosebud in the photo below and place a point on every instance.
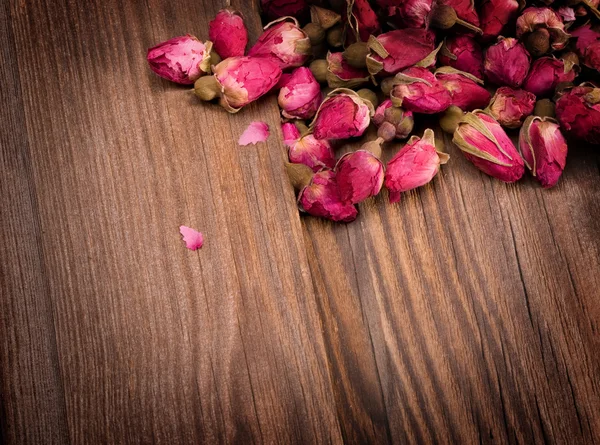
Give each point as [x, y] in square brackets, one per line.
[494, 16]
[284, 42]
[544, 149]
[180, 59]
[399, 49]
[359, 176]
[507, 63]
[463, 53]
[393, 122]
[416, 89]
[532, 21]
[344, 114]
[484, 143]
[408, 13]
[584, 37]
[363, 21]
[242, 80]
[510, 107]
[465, 10]
[307, 150]
[592, 56]
[228, 33]
[300, 96]
[275, 9]
[545, 74]
[192, 238]
[413, 166]
[578, 111]
[466, 90]
[341, 75]
[322, 198]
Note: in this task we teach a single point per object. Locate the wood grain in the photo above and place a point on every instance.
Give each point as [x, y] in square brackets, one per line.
[466, 313]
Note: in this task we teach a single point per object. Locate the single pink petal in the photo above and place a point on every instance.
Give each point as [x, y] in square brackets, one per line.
[192, 238]
[256, 132]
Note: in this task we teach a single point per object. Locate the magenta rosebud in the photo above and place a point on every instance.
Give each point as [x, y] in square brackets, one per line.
[228, 33]
[241, 80]
[507, 63]
[341, 75]
[180, 59]
[592, 56]
[545, 74]
[396, 50]
[588, 45]
[466, 90]
[393, 122]
[407, 13]
[284, 42]
[322, 198]
[532, 20]
[484, 143]
[363, 21]
[413, 166]
[578, 111]
[463, 53]
[417, 89]
[344, 114]
[306, 149]
[544, 149]
[510, 107]
[300, 96]
[275, 9]
[359, 176]
[494, 15]
[465, 10]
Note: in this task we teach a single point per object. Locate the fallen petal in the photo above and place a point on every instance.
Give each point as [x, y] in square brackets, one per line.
[192, 238]
[256, 132]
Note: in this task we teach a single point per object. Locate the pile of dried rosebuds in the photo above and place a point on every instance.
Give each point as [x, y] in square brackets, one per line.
[485, 67]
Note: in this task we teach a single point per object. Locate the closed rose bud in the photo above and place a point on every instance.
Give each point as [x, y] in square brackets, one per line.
[300, 96]
[322, 198]
[544, 149]
[407, 13]
[275, 9]
[363, 21]
[466, 90]
[465, 10]
[507, 63]
[463, 53]
[399, 49]
[284, 42]
[418, 90]
[393, 122]
[484, 143]
[359, 176]
[592, 56]
[180, 59]
[510, 107]
[344, 114]
[239, 81]
[578, 111]
[445, 17]
[537, 20]
[584, 36]
[545, 74]
[306, 149]
[414, 166]
[341, 75]
[228, 33]
[494, 15]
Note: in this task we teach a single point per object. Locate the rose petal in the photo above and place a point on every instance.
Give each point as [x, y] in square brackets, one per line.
[192, 238]
[256, 132]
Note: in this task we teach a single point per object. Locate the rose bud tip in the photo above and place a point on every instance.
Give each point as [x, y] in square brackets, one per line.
[299, 175]
[374, 147]
[356, 55]
[207, 88]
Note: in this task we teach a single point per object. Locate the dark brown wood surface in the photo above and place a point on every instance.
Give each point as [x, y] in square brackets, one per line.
[469, 312]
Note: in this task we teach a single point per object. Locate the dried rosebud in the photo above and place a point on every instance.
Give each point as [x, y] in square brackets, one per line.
[341, 75]
[306, 149]
[300, 96]
[359, 176]
[180, 59]
[418, 90]
[545, 74]
[228, 33]
[408, 13]
[322, 198]
[413, 166]
[484, 143]
[387, 85]
[463, 53]
[393, 122]
[465, 89]
[399, 49]
[578, 111]
[465, 10]
[319, 69]
[547, 25]
[284, 42]
[362, 20]
[507, 63]
[335, 36]
[369, 95]
[344, 114]
[588, 45]
[592, 56]
[451, 118]
[326, 18]
[445, 17]
[356, 55]
[510, 107]
[316, 33]
[275, 9]
[544, 149]
[494, 15]
[239, 81]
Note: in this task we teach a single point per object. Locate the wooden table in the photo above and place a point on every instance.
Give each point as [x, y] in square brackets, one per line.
[469, 312]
